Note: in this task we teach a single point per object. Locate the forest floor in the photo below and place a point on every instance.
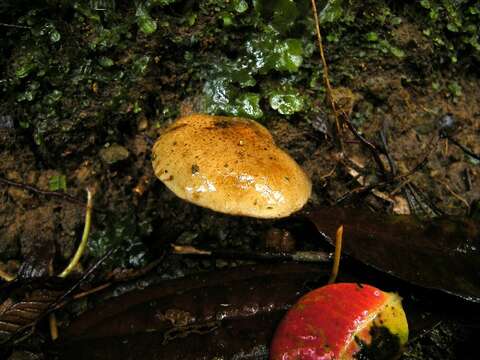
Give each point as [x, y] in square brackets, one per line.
[410, 105]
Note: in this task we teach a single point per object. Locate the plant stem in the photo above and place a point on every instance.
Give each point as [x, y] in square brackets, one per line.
[336, 257]
[83, 242]
[326, 79]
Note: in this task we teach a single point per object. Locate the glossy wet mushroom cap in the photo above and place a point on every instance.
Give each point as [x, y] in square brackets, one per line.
[230, 165]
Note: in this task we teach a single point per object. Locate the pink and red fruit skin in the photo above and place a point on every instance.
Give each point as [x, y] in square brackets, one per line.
[318, 326]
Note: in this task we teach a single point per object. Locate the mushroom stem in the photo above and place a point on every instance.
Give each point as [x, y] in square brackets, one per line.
[336, 257]
[83, 242]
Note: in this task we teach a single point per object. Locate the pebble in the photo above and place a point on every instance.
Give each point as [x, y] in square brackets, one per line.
[114, 153]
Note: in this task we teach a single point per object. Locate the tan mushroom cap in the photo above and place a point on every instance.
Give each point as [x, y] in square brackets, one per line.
[230, 165]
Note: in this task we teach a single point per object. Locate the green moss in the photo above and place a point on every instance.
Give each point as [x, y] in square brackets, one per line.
[453, 26]
[75, 72]
[268, 52]
[145, 22]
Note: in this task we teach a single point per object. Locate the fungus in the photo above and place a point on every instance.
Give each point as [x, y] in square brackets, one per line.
[230, 165]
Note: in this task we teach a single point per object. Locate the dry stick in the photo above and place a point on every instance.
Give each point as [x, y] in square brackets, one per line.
[61, 301]
[454, 194]
[126, 275]
[463, 148]
[91, 291]
[326, 79]
[373, 149]
[41, 192]
[432, 146]
[15, 26]
[423, 201]
[82, 295]
[300, 256]
[52, 320]
[383, 138]
[338, 253]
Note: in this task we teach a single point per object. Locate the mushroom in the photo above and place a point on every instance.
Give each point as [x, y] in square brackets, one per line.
[230, 165]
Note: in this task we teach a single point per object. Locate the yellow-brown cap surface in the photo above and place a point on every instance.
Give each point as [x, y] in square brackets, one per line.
[230, 165]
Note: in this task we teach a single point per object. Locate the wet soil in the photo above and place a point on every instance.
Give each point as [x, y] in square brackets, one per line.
[386, 97]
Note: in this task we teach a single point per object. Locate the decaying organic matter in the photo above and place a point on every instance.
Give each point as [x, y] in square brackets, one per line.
[441, 254]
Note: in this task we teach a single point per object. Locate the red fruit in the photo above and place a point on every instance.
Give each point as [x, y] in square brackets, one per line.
[342, 321]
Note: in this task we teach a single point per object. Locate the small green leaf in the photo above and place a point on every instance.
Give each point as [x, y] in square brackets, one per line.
[453, 27]
[55, 36]
[25, 66]
[144, 21]
[455, 89]
[146, 24]
[240, 6]
[286, 102]
[290, 54]
[227, 20]
[105, 62]
[191, 19]
[140, 65]
[399, 53]
[332, 11]
[57, 183]
[53, 97]
[248, 105]
[372, 36]
[426, 4]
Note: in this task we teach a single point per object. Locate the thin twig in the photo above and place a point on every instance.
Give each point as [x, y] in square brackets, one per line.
[61, 300]
[463, 148]
[384, 140]
[326, 78]
[300, 256]
[36, 190]
[454, 194]
[432, 146]
[373, 149]
[83, 242]
[91, 291]
[427, 206]
[15, 26]
[129, 274]
[366, 188]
